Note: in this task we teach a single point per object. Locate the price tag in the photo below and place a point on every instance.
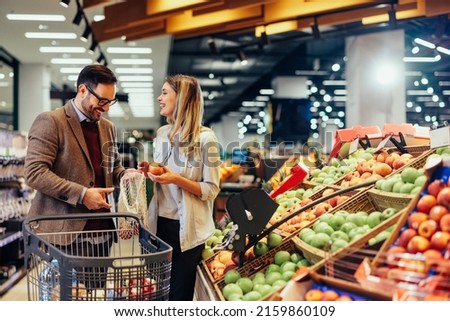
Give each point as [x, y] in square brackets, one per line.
[383, 143]
[353, 146]
[440, 137]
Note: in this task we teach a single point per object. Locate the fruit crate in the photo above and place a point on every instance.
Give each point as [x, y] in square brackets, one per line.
[388, 199]
[363, 201]
[259, 264]
[253, 263]
[415, 151]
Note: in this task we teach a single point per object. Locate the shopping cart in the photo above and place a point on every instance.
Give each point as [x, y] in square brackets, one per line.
[61, 269]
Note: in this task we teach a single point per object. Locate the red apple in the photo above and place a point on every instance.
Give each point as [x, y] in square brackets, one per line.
[333, 201]
[443, 198]
[322, 208]
[437, 211]
[425, 203]
[382, 169]
[444, 224]
[440, 240]
[435, 187]
[406, 236]
[342, 199]
[418, 244]
[416, 218]
[305, 201]
[427, 228]
[432, 254]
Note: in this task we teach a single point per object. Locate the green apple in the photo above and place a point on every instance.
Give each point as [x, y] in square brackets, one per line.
[379, 183]
[339, 235]
[295, 257]
[348, 226]
[288, 266]
[207, 252]
[231, 276]
[252, 296]
[274, 240]
[357, 219]
[305, 231]
[336, 222]
[321, 241]
[416, 190]
[231, 288]
[235, 297]
[211, 240]
[323, 227]
[357, 230]
[260, 249]
[245, 284]
[263, 289]
[217, 232]
[272, 267]
[308, 237]
[287, 275]
[338, 244]
[374, 219]
[272, 277]
[397, 187]
[278, 284]
[387, 213]
[325, 217]
[303, 262]
[410, 174]
[281, 257]
[407, 188]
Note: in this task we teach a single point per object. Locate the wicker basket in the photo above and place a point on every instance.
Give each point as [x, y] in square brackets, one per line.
[363, 201]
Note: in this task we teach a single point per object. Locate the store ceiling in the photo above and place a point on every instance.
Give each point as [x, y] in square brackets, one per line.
[231, 24]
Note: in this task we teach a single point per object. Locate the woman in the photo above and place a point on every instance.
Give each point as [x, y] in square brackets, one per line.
[181, 210]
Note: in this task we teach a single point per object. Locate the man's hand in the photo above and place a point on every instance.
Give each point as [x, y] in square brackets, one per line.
[144, 168]
[95, 198]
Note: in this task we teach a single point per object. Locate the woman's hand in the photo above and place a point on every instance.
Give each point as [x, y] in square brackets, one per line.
[143, 168]
[168, 177]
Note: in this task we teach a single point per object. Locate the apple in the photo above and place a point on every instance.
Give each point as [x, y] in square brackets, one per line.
[426, 202]
[443, 198]
[432, 255]
[338, 244]
[313, 295]
[406, 236]
[323, 227]
[149, 286]
[437, 211]
[394, 254]
[339, 235]
[435, 187]
[330, 295]
[427, 228]
[388, 213]
[274, 240]
[440, 240]
[444, 224]
[322, 208]
[409, 175]
[207, 252]
[348, 226]
[321, 240]
[382, 169]
[260, 249]
[417, 244]
[156, 168]
[341, 199]
[416, 218]
[224, 256]
[230, 289]
[373, 219]
[336, 222]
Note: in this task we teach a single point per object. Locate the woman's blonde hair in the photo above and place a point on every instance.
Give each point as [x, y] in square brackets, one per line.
[188, 114]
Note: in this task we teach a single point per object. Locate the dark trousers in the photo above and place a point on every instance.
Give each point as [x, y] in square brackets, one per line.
[184, 264]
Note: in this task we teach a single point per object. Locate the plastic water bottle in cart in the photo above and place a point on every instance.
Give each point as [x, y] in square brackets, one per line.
[48, 280]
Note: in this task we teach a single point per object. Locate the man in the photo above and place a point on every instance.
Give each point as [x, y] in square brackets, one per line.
[73, 164]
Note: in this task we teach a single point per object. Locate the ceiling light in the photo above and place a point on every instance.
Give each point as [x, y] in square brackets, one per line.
[131, 61]
[62, 49]
[50, 35]
[35, 17]
[266, 91]
[443, 50]
[61, 61]
[425, 43]
[99, 17]
[78, 16]
[70, 70]
[64, 3]
[135, 78]
[419, 59]
[128, 50]
[136, 85]
[87, 32]
[134, 70]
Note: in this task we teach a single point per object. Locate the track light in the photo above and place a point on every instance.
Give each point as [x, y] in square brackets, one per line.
[87, 32]
[315, 29]
[100, 58]
[264, 39]
[64, 3]
[243, 58]
[392, 17]
[212, 46]
[78, 16]
[93, 46]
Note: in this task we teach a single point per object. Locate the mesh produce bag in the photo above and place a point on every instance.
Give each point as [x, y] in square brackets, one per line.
[132, 199]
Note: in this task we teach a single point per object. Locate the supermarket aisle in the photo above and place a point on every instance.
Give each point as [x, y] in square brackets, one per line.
[18, 292]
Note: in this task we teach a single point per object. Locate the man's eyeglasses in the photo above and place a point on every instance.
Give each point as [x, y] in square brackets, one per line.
[101, 101]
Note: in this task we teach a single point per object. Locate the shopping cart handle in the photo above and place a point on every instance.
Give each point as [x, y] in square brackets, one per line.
[80, 216]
